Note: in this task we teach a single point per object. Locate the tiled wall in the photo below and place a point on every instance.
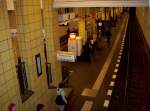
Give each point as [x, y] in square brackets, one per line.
[52, 39]
[28, 43]
[8, 79]
[143, 15]
[30, 38]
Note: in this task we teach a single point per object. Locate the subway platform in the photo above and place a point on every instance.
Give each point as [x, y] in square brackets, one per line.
[92, 81]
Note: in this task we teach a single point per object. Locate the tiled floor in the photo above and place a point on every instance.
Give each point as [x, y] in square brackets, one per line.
[87, 106]
[85, 74]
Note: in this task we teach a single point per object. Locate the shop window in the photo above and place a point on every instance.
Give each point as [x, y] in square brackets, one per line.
[23, 83]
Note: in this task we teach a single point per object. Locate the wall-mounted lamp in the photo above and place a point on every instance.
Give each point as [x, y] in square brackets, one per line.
[72, 36]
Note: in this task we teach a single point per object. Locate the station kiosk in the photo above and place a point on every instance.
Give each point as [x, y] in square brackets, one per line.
[75, 44]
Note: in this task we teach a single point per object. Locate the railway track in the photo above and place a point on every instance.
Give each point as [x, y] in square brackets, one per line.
[132, 90]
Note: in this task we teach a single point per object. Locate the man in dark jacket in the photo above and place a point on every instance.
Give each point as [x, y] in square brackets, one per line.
[87, 50]
[108, 35]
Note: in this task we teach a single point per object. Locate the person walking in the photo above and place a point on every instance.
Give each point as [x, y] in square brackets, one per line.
[108, 35]
[87, 51]
[61, 93]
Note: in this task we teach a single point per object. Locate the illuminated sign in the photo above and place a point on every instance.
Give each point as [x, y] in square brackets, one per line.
[66, 56]
[72, 35]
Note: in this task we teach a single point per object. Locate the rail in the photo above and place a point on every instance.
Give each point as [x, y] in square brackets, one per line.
[127, 68]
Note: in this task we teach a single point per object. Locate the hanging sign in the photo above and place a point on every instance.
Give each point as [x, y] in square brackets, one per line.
[66, 56]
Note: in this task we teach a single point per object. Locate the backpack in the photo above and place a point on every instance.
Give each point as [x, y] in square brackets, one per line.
[59, 100]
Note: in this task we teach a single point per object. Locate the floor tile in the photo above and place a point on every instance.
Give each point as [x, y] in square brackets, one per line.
[117, 65]
[116, 70]
[106, 103]
[89, 92]
[114, 76]
[109, 92]
[112, 83]
[87, 106]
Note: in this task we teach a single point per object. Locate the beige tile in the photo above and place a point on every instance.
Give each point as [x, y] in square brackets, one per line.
[89, 92]
[117, 65]
[109, 92]
[3, 46]
[5, 56]
[114, 76]
[106, 103]
[115, 70]
[1, 68]
[6, 66]
[112, 83]
[2, 80]
[118, 61]
[3, 36]
[87, 106]
[8, 75]
[119, 57]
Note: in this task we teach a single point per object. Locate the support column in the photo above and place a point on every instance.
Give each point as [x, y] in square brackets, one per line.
[30, 43]
[8, 78]
[52, 39]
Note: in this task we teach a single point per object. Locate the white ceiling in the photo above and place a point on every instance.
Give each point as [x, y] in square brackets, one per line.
[100, 3]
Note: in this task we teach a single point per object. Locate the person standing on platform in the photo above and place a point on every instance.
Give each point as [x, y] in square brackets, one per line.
[86, 52]
[61, 93]
[108, 36]
[91, 45]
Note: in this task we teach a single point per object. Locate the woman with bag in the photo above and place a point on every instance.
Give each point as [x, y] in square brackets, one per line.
[61, 100]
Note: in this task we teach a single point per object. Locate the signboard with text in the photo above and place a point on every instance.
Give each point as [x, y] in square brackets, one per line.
[66, 56]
